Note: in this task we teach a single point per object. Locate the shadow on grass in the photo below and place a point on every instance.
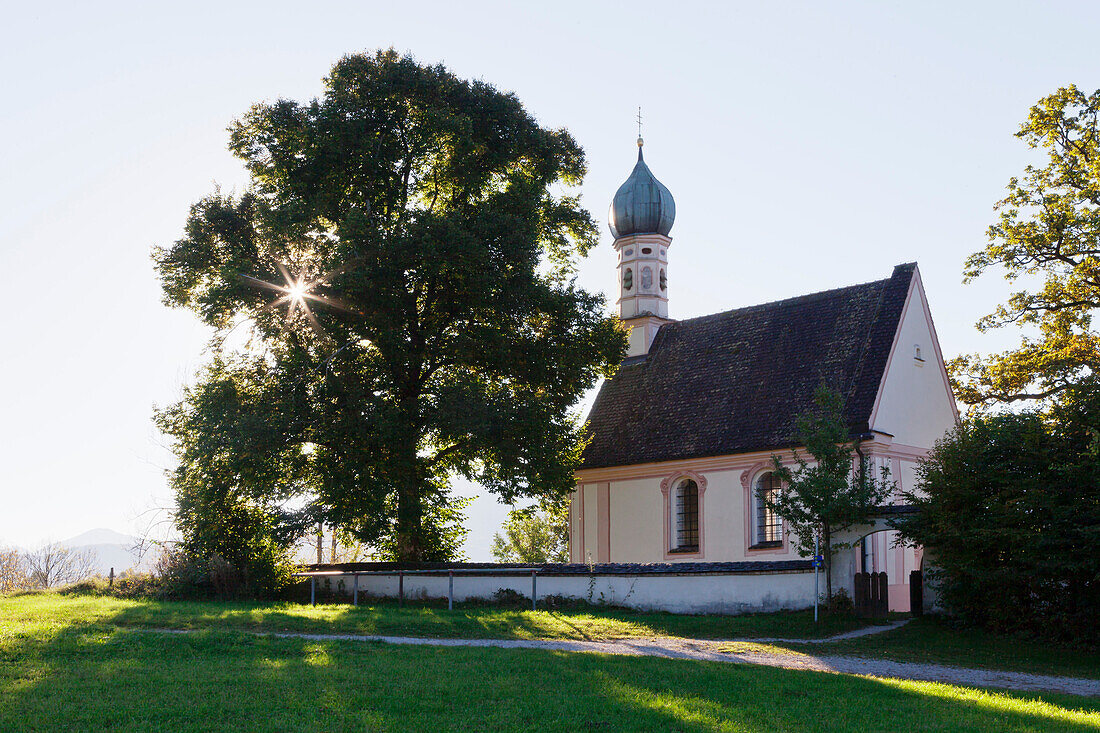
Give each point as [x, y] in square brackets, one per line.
[83, 677]
[468, 621]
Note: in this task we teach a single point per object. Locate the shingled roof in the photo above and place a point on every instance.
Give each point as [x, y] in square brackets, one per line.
[736, 382]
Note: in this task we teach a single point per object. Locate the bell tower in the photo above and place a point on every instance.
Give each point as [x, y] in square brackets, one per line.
[641, 216]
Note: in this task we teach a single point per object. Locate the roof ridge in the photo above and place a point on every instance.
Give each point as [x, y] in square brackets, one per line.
[792, 300]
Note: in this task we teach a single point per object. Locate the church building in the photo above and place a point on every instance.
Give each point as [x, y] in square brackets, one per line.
[682, 437]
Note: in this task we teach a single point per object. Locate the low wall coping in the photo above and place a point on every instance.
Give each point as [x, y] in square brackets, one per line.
[560, 569]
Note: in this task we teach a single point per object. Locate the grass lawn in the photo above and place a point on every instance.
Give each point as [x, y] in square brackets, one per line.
[61, 673]
[389, 620]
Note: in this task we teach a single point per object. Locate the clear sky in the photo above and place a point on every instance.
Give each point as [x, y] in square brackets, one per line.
[808, 146]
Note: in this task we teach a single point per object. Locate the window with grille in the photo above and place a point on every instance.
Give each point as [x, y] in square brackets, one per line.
[686, 517]
[769, 525]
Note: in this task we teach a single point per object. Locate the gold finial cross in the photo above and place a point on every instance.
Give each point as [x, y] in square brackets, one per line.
[639, 121]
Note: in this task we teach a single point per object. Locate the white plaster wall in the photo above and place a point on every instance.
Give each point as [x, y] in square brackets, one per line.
[724, 517]
[908, 479]
[637, 521]
[915, 406]
[740, 593]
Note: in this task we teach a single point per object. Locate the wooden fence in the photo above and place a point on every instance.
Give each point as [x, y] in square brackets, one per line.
[872, 595]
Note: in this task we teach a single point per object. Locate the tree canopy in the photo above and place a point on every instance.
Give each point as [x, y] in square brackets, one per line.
[1048, 234]
[401, 267]
[536, 534]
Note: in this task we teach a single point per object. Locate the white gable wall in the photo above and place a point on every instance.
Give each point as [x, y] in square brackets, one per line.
[914, 403]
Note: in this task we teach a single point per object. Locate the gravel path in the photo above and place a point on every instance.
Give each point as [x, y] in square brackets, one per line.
[744, 651]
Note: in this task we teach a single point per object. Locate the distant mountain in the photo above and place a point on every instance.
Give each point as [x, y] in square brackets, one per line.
[112, 549]
[101, 536]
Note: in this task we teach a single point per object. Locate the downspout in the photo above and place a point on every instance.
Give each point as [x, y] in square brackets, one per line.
[859, 452]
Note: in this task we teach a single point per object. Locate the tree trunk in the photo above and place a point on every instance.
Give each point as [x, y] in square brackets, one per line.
[410, 515]
[828, 558]
[406, 472]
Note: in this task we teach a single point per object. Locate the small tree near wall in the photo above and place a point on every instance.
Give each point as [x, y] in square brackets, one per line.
[534, 535]
[830, 492]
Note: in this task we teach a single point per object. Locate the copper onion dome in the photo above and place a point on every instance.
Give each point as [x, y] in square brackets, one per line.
[642, 205]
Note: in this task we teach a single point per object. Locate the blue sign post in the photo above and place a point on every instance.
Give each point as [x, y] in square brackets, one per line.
[817, 566]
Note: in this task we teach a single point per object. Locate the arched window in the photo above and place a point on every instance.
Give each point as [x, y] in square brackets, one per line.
[628, 279]
[769, 525]
[685, 517]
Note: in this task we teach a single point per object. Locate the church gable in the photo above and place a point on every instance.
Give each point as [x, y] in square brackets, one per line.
[735, 382]
[915, 367]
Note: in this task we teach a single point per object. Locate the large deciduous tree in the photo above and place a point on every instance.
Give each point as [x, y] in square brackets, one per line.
[1048, 231]
[402, 262]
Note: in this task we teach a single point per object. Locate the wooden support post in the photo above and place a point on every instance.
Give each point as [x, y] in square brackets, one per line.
[534, 589]
[400, 590]
[450, 590]
[355, 590]
[313, 590]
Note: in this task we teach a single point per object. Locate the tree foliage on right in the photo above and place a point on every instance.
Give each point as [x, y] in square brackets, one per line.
[1048, 236]
[1009, 517]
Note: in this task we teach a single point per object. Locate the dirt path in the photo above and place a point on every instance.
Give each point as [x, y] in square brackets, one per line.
[747, 651]
[865, 631]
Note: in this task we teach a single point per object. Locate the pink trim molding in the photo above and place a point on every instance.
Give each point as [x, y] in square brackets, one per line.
[750, 473]
[748, 478]
[603, 522]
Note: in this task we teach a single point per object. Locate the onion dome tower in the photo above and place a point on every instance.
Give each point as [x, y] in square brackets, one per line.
[641, 216]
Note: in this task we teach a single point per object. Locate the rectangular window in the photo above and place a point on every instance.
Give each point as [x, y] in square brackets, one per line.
[769, 525]
[687, 516]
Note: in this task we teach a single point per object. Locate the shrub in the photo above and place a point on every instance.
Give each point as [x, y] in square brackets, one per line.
[509, 598]
[1009, 516]
[840, 604]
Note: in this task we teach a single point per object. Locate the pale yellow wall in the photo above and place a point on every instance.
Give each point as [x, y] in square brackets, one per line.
[637, 521]
[575, 553]
[590, 524]
[915, 406]
[724, 517]
[638, 515]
